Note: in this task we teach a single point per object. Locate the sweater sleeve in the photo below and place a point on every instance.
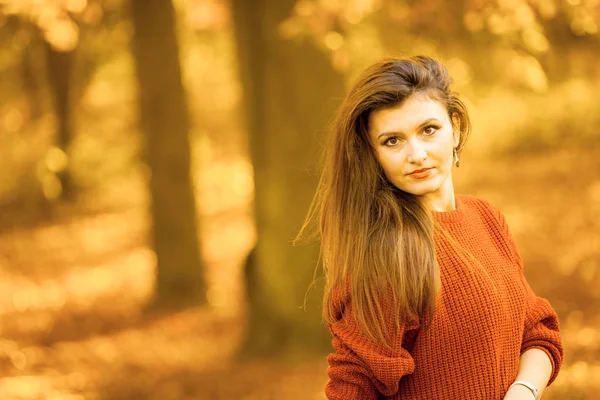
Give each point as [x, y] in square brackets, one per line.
[541, 328]
[360, 369]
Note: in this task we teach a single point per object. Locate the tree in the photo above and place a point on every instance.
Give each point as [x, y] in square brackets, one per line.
[165, 125]
[59, 65]
[290, 91]
[49, 36]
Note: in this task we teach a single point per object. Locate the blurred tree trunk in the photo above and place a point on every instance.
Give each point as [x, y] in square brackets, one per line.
[290, 92]
[570, 55]
[60, 72]
[30, 78]
[165, 125]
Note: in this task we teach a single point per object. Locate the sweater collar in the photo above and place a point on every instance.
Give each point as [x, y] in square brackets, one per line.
[452, 216]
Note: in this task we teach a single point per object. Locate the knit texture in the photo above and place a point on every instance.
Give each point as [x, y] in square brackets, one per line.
[485, 318]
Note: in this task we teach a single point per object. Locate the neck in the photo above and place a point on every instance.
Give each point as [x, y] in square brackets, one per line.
[444, 204]
[443, 199]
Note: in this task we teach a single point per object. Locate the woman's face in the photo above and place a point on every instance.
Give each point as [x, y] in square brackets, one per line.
[414, 144]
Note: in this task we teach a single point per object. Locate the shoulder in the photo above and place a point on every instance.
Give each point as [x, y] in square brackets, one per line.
[478, 203]
[477, 207]
[475, 201]
[483, 212]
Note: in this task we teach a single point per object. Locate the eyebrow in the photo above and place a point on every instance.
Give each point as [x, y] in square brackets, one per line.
[421, 125]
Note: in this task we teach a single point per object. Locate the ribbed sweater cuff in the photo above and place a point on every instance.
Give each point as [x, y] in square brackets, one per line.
[349, 392]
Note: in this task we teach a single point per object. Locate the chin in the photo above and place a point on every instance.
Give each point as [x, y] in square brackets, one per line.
[420, 188]
[418, 191]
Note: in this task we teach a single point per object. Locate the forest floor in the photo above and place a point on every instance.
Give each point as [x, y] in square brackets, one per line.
[72, 294]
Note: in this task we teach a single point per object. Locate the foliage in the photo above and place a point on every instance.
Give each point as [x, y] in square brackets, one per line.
[58, 20]
[519, 33]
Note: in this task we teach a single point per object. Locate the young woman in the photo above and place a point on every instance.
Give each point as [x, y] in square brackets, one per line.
[425, 294]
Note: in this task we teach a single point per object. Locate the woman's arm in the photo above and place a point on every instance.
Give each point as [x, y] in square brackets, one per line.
[541, 331]
[535, 368]
[361, 369]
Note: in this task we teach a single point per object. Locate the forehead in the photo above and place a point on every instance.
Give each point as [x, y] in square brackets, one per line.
[406, 116]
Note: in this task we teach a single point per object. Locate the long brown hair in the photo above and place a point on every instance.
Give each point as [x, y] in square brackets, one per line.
[377, 242]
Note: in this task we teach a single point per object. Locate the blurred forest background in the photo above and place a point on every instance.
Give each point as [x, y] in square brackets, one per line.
[159, 156]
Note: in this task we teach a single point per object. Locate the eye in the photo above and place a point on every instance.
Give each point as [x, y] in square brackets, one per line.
[430, 130]
[392, 141]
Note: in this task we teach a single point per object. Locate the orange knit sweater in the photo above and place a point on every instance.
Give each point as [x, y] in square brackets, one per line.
[482, 324]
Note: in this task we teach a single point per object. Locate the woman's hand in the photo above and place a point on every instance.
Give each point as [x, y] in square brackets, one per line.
[518, 392]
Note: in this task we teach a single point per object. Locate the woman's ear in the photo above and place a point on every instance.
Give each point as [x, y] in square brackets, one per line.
[456, 128]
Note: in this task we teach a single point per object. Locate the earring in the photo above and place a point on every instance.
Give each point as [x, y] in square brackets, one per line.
[456, 160]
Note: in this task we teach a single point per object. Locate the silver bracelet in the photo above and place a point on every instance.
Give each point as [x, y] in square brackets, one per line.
[534, 391]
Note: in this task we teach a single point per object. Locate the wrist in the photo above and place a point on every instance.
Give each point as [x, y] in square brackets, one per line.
[518, 393]
[522, 390]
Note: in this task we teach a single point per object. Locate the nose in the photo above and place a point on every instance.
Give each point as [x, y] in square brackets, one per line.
[416, 151]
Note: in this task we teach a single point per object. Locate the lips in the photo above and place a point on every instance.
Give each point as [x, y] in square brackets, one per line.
[420, 173]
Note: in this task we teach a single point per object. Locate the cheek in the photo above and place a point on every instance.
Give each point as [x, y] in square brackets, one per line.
[391, 164]
[445, 153]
